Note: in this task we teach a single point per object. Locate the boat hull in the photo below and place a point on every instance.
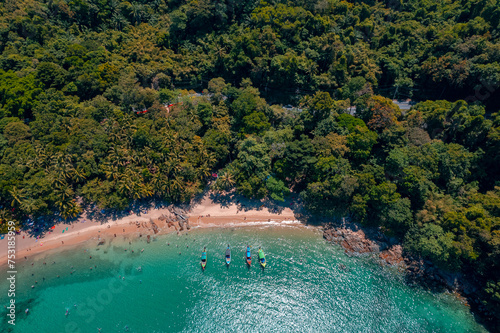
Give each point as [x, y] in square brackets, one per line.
[262, 259]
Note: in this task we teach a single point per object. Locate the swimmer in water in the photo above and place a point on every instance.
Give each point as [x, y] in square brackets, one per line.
[67, 313]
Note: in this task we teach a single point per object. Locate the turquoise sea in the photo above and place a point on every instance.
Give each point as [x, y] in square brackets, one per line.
[308, 286]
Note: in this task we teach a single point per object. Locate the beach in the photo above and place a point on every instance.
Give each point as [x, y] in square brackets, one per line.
[307, 282]
[205, 213]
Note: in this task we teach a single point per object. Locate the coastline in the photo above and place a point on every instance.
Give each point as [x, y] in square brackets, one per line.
[205, 214]
[208, 213]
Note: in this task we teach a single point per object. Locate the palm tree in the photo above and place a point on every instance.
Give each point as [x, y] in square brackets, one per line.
[78, 175]
[138, 12]
[146, 190]
[123, 186]
[29, 206]
[174, 187]
[226, 180]
[110, 170]
[159, 183]
[17, 196]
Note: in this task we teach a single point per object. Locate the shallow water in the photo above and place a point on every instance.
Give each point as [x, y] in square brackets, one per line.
[308, 286]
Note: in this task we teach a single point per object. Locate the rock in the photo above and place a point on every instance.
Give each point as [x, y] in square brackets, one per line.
[373, 247]
[353, 241]
[394, 257]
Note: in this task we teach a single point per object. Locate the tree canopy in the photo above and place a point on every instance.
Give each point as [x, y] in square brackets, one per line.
[101, 107]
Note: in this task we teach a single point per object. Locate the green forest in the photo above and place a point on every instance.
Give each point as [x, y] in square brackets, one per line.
[74, 73]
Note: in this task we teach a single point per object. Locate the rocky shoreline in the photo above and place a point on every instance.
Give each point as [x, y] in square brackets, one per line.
[358, 240]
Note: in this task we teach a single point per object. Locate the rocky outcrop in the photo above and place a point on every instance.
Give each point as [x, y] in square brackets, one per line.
[357, 240]
[354, 241]
[393, 256]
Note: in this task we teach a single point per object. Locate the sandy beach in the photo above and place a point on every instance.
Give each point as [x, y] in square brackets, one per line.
[204, 214]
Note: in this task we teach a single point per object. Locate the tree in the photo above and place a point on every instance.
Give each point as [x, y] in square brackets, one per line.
[380, 113]
[254, 165]
[276, 189]
[432, 242]
[51, 75]
[255, 123]
[16, 132]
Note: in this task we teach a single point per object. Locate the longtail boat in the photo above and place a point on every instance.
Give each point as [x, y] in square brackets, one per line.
[262, 258]
[249, 256]
[204, 258]
[228, 255]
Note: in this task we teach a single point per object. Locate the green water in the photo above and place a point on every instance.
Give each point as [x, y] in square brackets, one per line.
[308, 286]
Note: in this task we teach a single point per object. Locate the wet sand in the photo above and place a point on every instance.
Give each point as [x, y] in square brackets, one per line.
[205, 214]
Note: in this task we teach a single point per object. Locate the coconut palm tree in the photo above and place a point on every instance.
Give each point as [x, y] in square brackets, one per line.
[78, 175]
[17, 196]
[226, 180]
[159, 184]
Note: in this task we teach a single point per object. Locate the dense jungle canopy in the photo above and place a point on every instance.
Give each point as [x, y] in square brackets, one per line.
[73, 73]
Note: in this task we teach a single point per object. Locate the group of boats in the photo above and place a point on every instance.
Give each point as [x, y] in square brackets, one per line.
[262, 257]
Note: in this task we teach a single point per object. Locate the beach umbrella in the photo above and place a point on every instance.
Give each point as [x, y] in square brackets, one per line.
[53, 227]
[63, 231]
[66, 228]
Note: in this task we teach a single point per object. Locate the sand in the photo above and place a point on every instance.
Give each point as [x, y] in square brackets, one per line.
[206, 213]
